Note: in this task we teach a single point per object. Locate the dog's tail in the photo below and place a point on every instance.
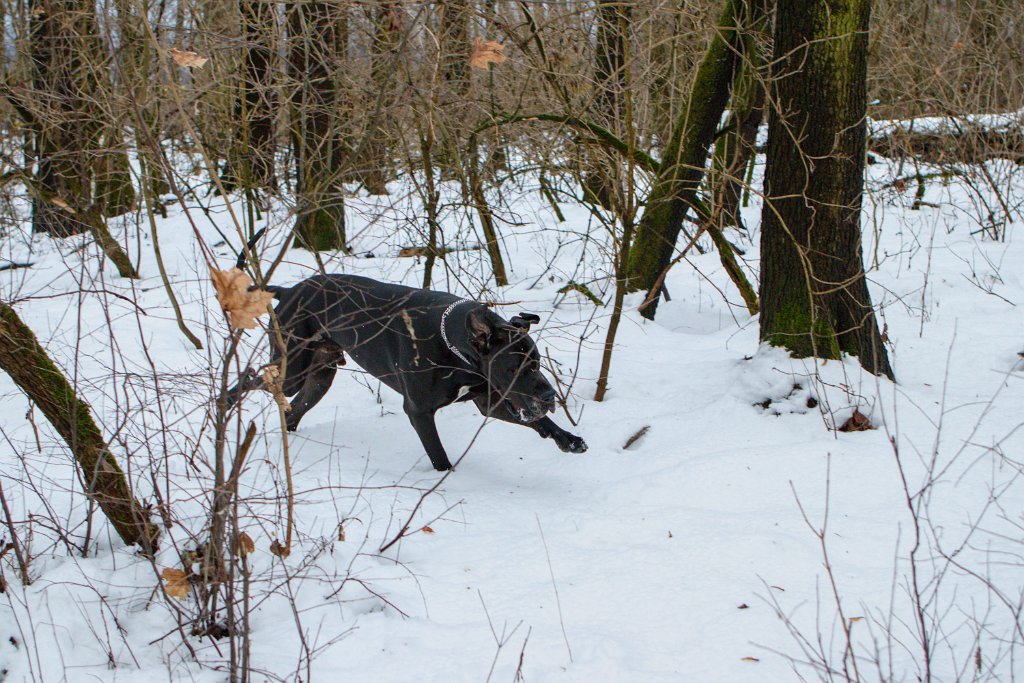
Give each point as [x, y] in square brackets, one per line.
[275, 290]
[242, 258]
[240, 263]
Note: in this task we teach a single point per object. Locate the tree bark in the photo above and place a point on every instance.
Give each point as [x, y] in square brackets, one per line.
[68, 129]
[814, 296]
[320, 223]
[613, 19]
[253, 164]
[374, 164]
[682, 166]
[25, 360]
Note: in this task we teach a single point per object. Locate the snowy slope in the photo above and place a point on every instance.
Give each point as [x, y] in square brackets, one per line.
[689, 556]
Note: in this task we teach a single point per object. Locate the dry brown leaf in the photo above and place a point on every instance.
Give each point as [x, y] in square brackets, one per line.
[279, 550]
[245, 544]
[427, 530]
[189, 59]
[749, 659]
[486, 52]
[857, 423]
[341, 532]
[242, 305]
[176, 582]
[272, 378]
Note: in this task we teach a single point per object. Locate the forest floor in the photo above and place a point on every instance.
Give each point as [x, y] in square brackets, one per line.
[740, 538]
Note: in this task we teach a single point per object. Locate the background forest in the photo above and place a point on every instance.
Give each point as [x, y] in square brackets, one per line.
[775, 248]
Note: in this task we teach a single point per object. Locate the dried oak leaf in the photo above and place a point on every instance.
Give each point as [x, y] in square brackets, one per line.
[427, 530]
[189, 59]
[176, 582]
[486, 52]
[279, 550]
[242, 304]
[857, 423]
[246, 546]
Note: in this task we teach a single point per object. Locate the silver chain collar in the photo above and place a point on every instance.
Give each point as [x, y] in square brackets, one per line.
[444, 330]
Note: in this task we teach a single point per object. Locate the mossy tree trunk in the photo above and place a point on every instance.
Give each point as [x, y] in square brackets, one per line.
[734, 148]
[682, 166]
[25, 360]
[814, 296]
[320, 205]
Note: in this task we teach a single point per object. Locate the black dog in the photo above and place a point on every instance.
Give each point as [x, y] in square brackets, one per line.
[431, 347]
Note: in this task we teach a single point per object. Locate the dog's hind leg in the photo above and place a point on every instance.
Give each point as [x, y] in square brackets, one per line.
[545, 426]
[317, 379]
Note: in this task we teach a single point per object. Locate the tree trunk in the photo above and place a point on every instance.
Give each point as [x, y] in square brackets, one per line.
[610, 66]
[375, 166]
[25, 360]
[320, 206]
[66, 130]
[682, 166]
[454, 43]
[253, 164]
[814, 296]
[735, 147]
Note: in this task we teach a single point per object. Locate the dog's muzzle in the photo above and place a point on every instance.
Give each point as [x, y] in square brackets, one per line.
[536, 407]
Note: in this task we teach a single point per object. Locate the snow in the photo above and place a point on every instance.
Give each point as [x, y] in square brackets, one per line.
[691, 555]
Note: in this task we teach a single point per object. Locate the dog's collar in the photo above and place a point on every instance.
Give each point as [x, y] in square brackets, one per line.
[444, 330]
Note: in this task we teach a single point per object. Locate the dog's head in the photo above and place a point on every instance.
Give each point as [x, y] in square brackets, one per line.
[511, 363]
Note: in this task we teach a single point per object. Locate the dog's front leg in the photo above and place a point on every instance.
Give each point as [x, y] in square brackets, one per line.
[423, 423]
[566, 441]
[493, 406]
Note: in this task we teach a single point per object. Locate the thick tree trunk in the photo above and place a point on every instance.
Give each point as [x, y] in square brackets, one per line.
[814, 295]
[610, 66]
[374, 163]
[735, 147]
[68, 127]
[25, 360]
[455, 45]
[65, 125]
[320, 207]
[682, 166]
[253, 164]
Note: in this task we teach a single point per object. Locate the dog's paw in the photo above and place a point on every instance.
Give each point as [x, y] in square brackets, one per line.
[570, 443]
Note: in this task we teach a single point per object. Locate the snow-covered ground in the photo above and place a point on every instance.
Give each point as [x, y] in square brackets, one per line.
[692, 555]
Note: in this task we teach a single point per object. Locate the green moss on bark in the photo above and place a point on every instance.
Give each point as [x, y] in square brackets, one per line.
[25, 360]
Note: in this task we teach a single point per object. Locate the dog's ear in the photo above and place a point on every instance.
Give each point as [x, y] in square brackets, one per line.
[524, 320]
[482, 331]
